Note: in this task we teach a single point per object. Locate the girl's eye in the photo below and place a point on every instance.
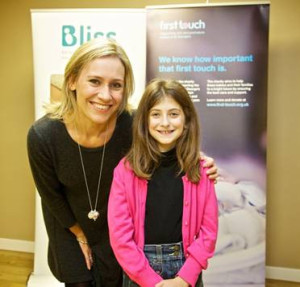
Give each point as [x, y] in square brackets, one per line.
[174, 114]
[155, 115]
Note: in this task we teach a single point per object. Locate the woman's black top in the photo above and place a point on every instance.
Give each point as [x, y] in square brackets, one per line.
[56, 168]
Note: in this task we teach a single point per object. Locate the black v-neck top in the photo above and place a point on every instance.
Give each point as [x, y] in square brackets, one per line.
[164, 204]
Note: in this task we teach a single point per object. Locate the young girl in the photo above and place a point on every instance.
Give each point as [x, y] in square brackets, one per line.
[162, 210]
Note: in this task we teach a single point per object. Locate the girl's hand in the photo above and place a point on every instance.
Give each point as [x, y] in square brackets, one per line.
[212, 168]
[176, 282]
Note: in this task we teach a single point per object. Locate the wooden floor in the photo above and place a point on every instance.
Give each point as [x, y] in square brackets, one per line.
[277, 283]
[15, 268]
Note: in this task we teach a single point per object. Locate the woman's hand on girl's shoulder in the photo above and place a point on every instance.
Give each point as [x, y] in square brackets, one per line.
[212, 170]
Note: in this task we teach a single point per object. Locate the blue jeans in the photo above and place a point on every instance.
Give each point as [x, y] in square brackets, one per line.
[165, 259]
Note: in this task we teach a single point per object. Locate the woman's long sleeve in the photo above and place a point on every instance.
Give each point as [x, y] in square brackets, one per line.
[43, 170]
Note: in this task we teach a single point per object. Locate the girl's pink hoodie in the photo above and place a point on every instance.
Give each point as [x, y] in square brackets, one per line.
[126, 216]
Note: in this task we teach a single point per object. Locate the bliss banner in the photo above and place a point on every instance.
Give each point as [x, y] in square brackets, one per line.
[220, 55]
[57, 33]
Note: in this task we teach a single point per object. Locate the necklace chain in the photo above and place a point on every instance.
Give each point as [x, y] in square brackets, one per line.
[93, 214]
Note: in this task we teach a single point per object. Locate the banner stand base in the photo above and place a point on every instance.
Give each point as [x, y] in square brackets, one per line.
[43, 280]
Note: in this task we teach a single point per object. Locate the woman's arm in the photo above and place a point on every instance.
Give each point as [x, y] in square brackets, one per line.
[50, 188]
[45, 177]
[83, 243]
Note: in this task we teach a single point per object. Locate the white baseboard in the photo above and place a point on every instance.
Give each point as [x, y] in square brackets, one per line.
[17, 245]
[280, 273]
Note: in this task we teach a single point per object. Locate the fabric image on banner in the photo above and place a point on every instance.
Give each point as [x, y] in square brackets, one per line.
[220, 55]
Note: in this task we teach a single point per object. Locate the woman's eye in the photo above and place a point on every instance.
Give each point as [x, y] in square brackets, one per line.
[94, 81]
[116, 86]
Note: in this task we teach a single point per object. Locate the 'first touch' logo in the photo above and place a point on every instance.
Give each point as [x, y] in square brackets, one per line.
[182, 25]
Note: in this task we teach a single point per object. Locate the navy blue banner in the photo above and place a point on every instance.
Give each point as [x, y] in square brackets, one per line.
[220, 54]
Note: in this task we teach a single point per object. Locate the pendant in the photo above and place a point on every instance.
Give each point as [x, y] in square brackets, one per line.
[93, 214]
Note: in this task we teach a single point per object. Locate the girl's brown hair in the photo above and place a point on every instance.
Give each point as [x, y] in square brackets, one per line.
[144, 155]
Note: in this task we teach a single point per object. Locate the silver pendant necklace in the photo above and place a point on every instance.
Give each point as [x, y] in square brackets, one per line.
[93, 213]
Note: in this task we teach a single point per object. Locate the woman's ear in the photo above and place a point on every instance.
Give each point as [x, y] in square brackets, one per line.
[72, 85]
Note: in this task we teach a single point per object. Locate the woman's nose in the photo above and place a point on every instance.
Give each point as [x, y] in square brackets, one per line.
[104, 93]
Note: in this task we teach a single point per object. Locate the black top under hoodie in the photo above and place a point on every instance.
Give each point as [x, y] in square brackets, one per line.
[164, 205]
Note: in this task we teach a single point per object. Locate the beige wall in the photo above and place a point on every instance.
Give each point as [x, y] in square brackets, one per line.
[17, 113]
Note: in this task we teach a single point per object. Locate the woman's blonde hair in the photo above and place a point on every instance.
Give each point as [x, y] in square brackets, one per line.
[144, 155]
[85, 54]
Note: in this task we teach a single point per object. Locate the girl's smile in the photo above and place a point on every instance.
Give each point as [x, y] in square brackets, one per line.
[166, 122]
